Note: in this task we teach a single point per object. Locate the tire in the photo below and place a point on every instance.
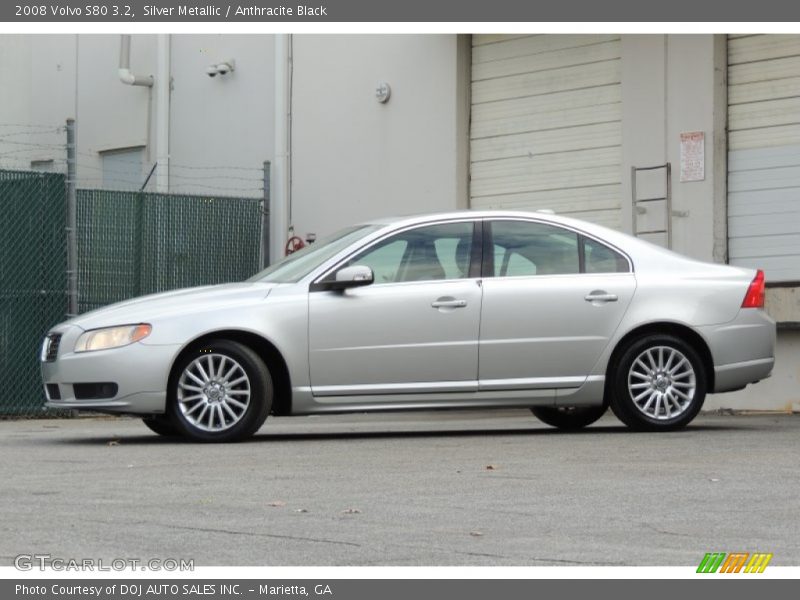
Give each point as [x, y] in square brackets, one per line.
[161, 424]
[219, 392]
[659, 383]
[569, 418]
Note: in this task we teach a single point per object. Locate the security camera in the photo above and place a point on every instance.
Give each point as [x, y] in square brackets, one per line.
[226, 67]
[221, 68]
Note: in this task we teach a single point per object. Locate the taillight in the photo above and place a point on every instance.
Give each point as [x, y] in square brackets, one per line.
[754, 298]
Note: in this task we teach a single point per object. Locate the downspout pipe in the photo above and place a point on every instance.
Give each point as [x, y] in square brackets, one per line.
[126, 76]
[281, 183]
[162, 104]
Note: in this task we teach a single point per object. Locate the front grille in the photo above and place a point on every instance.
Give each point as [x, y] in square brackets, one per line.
[51, 344]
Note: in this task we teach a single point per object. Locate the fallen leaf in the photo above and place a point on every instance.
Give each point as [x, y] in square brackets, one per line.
[476, 533]
[351, 511]
[277, 503]
[713, 479]
[490, 467]
[301, 510]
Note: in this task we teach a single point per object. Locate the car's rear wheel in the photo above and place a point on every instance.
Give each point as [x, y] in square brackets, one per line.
[160, 424]
[220, 392]
[658, 384]
[569, 418]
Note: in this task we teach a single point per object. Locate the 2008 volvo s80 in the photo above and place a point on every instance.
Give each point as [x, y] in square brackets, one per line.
[466, 309]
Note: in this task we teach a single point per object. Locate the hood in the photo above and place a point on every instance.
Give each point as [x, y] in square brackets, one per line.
[150, 308]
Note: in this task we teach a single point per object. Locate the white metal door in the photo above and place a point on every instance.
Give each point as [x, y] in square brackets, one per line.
[546, 124]
[764, 154]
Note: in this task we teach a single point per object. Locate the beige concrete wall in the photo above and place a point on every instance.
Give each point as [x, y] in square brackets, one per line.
[695, 98]
[15, 71]
[673, 84]
[354, 158]
[224, 124]
[111, 115]
[30, 121]
[75, 76]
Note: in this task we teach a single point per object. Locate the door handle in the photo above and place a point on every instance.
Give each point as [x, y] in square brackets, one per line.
[600, 296]
[448, 303]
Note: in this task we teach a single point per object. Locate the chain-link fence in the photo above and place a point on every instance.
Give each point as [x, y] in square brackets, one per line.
[33, 261]
[134, 243]
[129, 244]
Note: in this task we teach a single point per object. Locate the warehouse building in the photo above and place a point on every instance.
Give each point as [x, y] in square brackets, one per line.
[689, 141]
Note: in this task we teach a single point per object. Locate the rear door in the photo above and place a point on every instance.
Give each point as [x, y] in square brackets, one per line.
[552, 299]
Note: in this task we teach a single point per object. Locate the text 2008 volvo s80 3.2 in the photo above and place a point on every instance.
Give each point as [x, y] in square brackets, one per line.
[458, 310]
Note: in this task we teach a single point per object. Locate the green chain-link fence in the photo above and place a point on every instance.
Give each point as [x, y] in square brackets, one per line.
[129, 244]
[33, 297]
[134, 243]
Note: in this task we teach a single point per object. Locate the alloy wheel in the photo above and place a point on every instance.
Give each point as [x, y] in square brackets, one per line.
[213, 392]
[662, 382]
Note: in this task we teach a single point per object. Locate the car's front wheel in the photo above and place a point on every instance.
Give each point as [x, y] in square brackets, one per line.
[659, 383]
[220, 391]
[569, 418]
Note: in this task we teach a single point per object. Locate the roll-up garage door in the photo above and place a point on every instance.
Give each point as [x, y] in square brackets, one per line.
[546, 124]
[764, 154]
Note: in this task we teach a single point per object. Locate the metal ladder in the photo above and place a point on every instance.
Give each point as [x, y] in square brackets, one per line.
[652, 214]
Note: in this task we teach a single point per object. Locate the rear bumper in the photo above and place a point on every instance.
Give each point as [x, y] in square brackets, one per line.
[743, 350]
[733, 377]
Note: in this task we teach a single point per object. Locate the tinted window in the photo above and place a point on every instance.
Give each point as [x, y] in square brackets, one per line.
[427, 253]
[602, 259]
[384, 260]
[522, 248]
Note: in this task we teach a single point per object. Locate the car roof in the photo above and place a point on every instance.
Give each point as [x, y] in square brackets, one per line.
[649, 257]
[591, 228]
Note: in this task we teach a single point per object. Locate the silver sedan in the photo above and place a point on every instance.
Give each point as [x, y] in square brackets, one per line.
[467, 309]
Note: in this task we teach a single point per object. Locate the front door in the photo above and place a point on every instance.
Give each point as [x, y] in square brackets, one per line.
[414, 330]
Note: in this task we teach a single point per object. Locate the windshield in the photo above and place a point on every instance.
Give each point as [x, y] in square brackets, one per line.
[299, 264]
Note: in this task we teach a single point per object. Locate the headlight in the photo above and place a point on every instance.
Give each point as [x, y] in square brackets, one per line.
[112, 337]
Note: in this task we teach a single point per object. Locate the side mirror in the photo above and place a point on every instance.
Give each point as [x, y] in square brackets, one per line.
[349, 277]
[354, 276]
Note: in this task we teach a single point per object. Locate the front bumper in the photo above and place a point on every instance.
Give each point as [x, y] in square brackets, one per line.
[140, 372]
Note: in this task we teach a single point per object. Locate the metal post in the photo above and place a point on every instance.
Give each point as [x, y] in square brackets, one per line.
[669, 205]
[138, 262]
[635, 199]
[263, 257]
[72, 222]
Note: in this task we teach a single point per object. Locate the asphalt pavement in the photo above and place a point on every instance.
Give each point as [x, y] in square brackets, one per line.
[435, 488]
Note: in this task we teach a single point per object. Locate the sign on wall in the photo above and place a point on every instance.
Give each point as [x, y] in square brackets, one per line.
[693, 156]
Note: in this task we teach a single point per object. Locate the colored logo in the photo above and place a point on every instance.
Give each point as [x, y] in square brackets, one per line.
[735, 562]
